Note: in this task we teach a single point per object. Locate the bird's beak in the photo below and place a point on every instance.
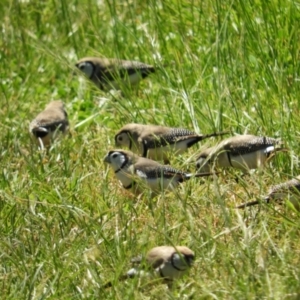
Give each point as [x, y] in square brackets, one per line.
[107, 159]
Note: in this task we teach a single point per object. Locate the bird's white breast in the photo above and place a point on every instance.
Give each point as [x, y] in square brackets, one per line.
[168, 271]
[125, 178]
[249, 161]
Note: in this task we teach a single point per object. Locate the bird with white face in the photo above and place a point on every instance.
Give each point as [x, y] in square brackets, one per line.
[243, 152]
[287, 190]
[155, 142]
[135, 172]
[112, 73]
[168, 262]
[48, 124]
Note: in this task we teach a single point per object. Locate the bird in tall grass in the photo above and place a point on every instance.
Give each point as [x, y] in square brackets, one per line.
[167, 262]
[137, 173]
[155, 142]
[243, 152]
[48, 124]
[113, 73]
[289, 190]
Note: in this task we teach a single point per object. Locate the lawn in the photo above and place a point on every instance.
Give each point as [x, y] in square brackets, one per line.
[67, 227]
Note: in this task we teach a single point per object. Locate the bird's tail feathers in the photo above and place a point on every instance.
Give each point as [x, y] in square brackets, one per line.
[137, 260]
[273, 148]
[220, 133]
[271, 151]
[282, 149]
[120, 279]
[133, 272]
[201, 174]
[251, 203]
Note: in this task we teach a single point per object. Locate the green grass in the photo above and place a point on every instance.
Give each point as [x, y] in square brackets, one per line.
[67, 227]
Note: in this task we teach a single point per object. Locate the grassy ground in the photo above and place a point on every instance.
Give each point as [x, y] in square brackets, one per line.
[66, 227]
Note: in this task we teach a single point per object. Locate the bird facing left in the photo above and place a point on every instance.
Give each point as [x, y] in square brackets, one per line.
[49, 123]
[112, 73]
[156, 142]
[136, 173]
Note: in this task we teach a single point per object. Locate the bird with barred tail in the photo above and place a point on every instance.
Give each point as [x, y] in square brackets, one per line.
[243, 152]
[49, 123]
[134, 172]
[155, 141]
[168, 262]
[112, 73]
[289, 189]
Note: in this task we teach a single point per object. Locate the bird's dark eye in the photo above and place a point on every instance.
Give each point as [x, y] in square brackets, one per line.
[120, 138]
[115, 155]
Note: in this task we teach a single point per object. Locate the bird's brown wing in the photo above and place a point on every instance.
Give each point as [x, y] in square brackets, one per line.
[239, 147]
[161, 139]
